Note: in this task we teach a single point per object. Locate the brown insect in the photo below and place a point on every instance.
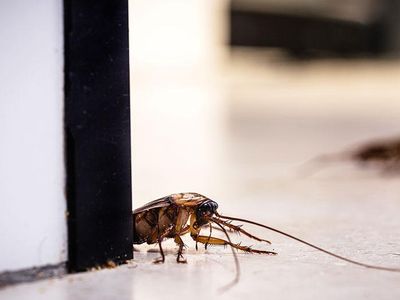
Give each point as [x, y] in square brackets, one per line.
[386, 153]
[179, 214]
[383, 154]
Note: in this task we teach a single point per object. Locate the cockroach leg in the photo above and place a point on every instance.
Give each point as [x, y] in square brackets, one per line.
[221, 242]
[162, 258]
[238, 229]
[159, 238]
[209, 236]
[179, 258]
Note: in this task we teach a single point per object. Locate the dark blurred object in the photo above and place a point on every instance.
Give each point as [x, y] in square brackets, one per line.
[386, 153]
[383, 155]
[312, 28]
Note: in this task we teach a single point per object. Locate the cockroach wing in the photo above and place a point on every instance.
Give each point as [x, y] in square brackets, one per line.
[188, 199]
[162, 202]
[180, 199]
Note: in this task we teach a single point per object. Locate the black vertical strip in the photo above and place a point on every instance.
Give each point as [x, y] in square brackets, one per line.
[97, 131]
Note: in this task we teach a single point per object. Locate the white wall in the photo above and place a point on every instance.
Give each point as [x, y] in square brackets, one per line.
[32, 200]
[177, 47]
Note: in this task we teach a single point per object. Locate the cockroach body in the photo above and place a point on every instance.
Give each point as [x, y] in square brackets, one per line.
[179, 214]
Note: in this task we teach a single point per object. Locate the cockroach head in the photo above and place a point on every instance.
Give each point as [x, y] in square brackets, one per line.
[205, 211]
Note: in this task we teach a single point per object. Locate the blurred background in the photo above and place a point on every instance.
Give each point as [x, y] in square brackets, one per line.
[230, 98]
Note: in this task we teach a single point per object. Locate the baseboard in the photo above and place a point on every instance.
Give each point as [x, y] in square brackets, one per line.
[32, 274]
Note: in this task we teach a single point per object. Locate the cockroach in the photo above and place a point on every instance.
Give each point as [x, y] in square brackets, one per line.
[384, 154]
[178, 214]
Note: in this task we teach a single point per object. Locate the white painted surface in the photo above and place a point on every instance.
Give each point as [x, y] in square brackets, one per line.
[32, 214]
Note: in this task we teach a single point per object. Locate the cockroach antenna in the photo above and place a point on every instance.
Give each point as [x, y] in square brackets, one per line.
[237, 276]
[311, 245]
